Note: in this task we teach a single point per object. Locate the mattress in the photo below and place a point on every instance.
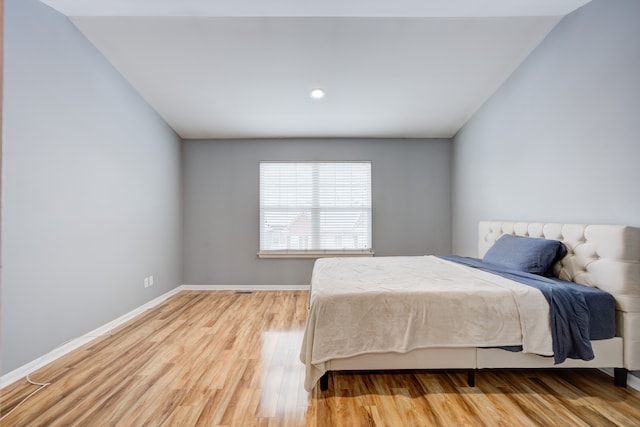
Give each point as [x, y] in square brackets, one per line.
[599, 305]
[397, 304]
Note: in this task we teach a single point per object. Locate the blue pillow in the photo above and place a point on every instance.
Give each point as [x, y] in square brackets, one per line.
[526, 254]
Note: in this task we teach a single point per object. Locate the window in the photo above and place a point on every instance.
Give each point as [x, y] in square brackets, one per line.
[315, 208]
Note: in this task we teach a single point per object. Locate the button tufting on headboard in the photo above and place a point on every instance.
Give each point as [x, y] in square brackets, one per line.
[604, 256]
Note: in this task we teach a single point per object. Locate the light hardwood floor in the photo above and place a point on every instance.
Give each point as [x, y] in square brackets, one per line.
[231, 359]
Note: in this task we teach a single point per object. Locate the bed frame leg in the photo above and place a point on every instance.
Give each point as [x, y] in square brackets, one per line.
[620, 376]
[324, 382]
[471, 377]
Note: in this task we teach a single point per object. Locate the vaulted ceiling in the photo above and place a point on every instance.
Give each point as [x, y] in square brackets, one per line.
[245, 68]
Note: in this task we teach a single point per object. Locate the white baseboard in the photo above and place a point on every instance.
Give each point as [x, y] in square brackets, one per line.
[632, 380]
[23, 371]
[76, 343]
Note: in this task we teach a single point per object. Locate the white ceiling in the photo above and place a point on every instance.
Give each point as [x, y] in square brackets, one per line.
[244, 68]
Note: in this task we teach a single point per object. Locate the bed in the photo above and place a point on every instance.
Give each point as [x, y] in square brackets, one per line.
[363, 317]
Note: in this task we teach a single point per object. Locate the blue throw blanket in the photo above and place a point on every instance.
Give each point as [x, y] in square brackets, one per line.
[569, 311]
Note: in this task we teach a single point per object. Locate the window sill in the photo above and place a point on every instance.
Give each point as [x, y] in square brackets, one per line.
[314, 254]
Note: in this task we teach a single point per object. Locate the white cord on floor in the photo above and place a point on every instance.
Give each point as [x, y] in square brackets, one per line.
[43, 385]
[25, 399]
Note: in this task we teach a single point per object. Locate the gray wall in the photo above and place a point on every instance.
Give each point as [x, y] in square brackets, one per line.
[411, 203]
[91, 189]
[560, 140]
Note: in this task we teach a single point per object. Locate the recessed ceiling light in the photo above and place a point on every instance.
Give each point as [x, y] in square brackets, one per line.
[317, 94]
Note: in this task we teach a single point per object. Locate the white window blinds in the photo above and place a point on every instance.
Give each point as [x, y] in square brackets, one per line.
[315, 208]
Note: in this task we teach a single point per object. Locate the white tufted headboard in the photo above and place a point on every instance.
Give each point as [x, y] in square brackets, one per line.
[602, 256]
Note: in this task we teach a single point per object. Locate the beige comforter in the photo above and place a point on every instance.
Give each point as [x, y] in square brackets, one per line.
[397, 304]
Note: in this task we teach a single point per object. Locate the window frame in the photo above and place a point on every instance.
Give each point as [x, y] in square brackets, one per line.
[315, 253]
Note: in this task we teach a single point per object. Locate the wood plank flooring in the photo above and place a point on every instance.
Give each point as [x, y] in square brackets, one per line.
[231, 359]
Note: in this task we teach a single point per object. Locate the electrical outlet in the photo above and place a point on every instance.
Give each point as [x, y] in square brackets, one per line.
[146, 282]
[151, 280]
